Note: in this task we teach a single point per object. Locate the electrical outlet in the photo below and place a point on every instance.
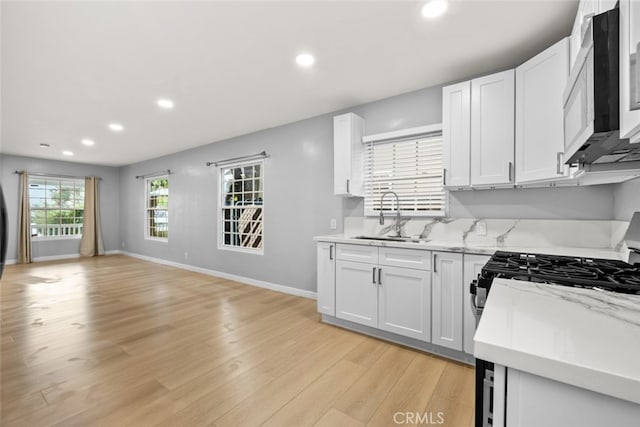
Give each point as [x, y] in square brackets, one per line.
[481, 228]
[334, 224]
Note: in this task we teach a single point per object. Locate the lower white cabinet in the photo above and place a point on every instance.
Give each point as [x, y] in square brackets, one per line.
[533, 401]
[404, 302]
[447, 300]
[357, 292]
[326, 278]
[472, 266]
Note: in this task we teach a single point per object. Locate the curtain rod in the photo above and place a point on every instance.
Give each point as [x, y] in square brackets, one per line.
[260, 155]
[159, 173]
[54, 175]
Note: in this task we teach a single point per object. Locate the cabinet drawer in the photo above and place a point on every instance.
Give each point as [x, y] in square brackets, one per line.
[357, 253]
[407, 258]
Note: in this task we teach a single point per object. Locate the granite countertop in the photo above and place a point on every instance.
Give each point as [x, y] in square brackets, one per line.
[434, 245]
[583, 337]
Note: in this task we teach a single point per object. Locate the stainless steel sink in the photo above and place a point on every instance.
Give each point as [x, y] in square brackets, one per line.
[390, 239]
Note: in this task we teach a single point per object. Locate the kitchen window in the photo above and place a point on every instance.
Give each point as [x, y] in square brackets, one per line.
[57, 207]
[157, 209]
[410, 167]
[242, 207]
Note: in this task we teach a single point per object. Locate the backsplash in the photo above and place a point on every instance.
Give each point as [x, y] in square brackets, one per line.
[499, 232]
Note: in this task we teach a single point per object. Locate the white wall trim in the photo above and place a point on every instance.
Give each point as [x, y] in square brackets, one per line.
[56, 257]
[403, 133]
[241, 279]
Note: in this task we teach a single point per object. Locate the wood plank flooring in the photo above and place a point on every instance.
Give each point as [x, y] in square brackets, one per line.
[115, 341]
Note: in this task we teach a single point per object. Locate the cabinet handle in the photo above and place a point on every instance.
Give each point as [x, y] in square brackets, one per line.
[434, 263]
[444, 177]
[374, 276]
[331, 252]
[379, 276]
[347, 186]
[510, 171]
[559, 167]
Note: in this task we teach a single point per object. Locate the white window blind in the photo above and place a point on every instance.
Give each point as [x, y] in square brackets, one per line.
[410, 167]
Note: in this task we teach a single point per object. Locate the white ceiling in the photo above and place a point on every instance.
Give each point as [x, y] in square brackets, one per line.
[70, 68]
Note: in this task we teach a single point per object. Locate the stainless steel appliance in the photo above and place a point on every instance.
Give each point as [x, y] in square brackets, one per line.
[602, 274]
[4, 229]
[592, 98]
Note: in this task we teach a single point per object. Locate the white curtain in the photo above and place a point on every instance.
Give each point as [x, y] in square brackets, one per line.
[91, 243]
[24, 226]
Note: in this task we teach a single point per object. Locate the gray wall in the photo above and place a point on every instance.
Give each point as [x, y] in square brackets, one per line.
[299, 200]
[627, 199]
[109, 202]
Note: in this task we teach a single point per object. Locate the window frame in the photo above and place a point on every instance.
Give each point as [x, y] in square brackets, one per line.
[433, 131]
[147, 183]
[221, 207]
[59, 180]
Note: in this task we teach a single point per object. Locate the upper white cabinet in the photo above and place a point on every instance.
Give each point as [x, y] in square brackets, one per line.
[447, 300]
[492, 129]
[629, 69]
[456, 134]
[326, 278]
[348, 155]
[472, 266]
[540, 83]
[586, 10]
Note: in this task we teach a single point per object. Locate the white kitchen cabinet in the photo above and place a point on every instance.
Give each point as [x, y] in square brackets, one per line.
[533, 401]
[629, 69]
[472, 266]
[586, 10]
[456, 134]
[326, 278]
[348, 155]
[492, 129]
[405, 302]
[447, 283]
[357, 292]
[540, 83]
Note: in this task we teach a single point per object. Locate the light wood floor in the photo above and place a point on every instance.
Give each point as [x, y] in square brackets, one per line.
[116, 341]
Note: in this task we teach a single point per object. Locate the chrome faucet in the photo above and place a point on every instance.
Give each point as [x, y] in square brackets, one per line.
[398, 226]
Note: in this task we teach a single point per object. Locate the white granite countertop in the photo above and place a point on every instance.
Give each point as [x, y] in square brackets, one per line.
[583, 337]
[434, 245]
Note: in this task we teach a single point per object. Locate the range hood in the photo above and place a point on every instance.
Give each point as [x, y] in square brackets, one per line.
[592, 98]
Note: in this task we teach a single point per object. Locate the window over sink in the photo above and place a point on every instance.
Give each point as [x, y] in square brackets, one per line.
[410, 167]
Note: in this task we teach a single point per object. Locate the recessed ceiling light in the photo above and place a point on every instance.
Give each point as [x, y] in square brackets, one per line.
[305, 60]
[43, 145]
[67, 153]
[88, 142]
[167, 104]
[434, 8]
[116, 127]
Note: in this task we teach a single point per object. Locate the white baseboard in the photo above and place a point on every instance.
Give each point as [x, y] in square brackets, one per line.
[246, 280]
[57, 257]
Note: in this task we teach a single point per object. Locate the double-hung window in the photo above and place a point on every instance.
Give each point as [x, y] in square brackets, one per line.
[157, 209]
[56, 206]
[242, 207]
[410, 167]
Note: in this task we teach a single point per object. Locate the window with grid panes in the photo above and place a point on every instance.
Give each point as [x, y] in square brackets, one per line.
[157, 210]
[242, 206]
[56, 206]
[412, 168]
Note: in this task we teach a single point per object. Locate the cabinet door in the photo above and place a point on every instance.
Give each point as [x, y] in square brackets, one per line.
[456, 134]
[492, 129]
[357, 292]
[348, 155]
[326, 278]
[578, 111]
[472, 266]
[629, 69]
[447, 303]
[405, 302]
[540, 83]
